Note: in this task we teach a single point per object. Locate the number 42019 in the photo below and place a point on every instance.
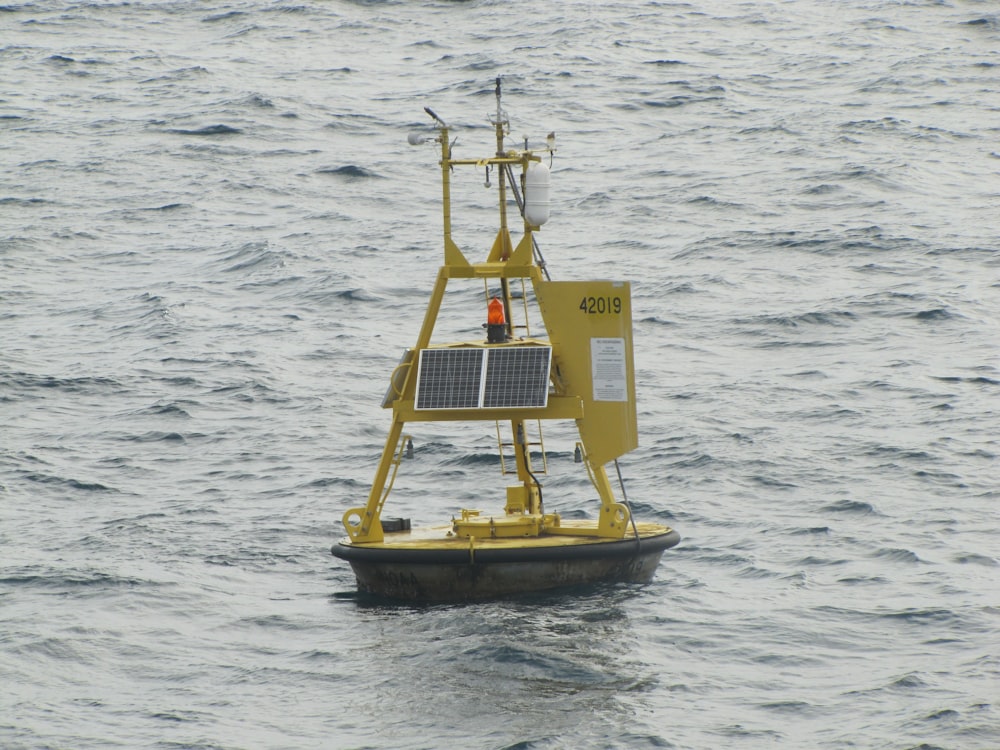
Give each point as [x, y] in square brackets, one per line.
[601, 305]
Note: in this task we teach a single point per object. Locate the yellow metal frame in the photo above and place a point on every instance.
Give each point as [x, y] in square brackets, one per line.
[606, 425]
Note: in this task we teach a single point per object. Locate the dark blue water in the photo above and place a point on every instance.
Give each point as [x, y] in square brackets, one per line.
[215, 243]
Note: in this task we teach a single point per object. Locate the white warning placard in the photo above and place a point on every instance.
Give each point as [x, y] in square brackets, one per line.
[607, 369]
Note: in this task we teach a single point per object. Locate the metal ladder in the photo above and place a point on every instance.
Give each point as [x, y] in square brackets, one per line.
[508, 464]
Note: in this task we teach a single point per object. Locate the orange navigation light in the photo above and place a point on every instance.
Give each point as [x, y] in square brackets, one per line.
[496, 322]
[495, 312]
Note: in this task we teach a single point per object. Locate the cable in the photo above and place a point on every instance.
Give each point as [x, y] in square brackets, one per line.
[631, 517]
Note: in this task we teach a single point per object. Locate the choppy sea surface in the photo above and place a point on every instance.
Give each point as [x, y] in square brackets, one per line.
[215, 243]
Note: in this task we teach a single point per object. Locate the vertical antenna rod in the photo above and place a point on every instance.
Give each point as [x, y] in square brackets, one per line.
[501, 171]
[504, 233]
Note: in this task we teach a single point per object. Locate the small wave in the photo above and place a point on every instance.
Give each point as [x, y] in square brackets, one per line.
[63, 580]
[852, 580]
[753, 572]
[176, 716]
[685, 287]
[695, 462]
[526, 662]
[594, 199]
[654, 320]
[707, 200]
[944, 713]
[897, 555]
[324, 482]
[678, 100]
[22, 201]
[768, 737]
[768, 130]
[180, 74]
[168, 409]
[356, 295]
[224, 16]
[974, 559]
[819, 562]
[899, 453]
[812, 530]
[938, 313]
[70, 385]
[862, 241]
[250, 392]
[168, 207]
[836, 318]
[810, 375]
[157, 437]
[984, 381]
[179, 379]
[717, 557]
[772, 482]
[794, 707]
[208, 130]
[823, 189]
[909, 682]
[850, 506]
[151, 315]
[979, 379]
[474, 459]
[349, 171]
[256, 100]
[75, 484]
[941, 477]
[252, 255]
[985, 21]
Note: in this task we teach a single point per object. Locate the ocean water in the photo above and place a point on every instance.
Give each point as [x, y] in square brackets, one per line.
[215, 243]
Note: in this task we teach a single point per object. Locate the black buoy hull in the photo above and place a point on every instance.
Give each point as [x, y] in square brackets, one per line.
[435, 575]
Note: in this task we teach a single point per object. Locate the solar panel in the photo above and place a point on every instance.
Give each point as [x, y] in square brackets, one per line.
[517, 377]
[480, 378]
[450, 379]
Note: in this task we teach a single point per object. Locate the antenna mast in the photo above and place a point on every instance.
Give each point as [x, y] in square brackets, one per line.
[501, 124]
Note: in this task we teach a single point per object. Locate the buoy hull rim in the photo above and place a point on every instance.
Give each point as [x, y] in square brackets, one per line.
[430, 575]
